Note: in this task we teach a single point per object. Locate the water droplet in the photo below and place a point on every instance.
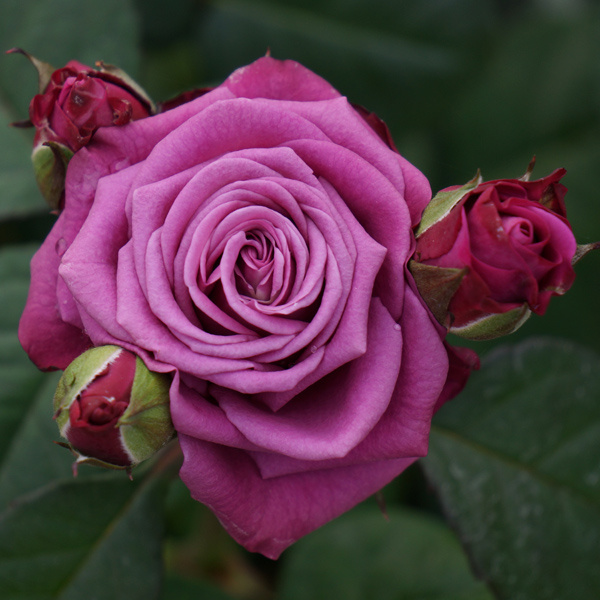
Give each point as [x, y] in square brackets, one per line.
[313, 349]
[397, 327]
[60, 247]
[77, 99]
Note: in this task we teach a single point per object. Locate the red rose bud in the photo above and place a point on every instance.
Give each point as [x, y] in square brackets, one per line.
[78, 100]
[112, 410]
[490, 253]
[72, 104]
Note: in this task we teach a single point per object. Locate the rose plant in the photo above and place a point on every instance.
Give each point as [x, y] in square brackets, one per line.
[253, 242]
[490, 253]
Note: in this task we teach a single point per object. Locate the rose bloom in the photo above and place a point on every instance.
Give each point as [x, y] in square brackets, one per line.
[254, 242]
[78, 100]
[516, 244]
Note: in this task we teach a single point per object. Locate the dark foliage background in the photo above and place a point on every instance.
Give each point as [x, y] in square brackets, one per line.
[462, 84]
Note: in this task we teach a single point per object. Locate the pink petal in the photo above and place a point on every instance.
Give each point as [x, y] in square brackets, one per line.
[269, 515]
[330, 418]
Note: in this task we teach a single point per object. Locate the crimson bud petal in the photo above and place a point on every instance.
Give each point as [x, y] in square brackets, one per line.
[112, 410]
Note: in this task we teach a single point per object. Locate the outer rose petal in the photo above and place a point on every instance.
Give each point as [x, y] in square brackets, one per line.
[330, 418]
[48, 340]
[268, 515]
[279, 80]
[403, 430]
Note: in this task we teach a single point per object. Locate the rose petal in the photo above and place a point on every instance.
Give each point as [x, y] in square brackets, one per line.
[269, 515]
[333, 416]
[279, 80]
[403, 430]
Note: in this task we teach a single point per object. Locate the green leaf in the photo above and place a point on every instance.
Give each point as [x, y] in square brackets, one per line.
[20, 379]
[32, 460]
[178, 588]
[20, 194]
[59, 31]
[96, 539]
[516, 463]
[28, 458]
[362, 555]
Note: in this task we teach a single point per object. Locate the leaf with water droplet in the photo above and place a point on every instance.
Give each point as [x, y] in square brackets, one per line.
[516, 463]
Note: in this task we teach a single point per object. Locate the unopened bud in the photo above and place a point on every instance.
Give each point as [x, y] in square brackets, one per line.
[489, 253]
[72, 103]
[112, 410]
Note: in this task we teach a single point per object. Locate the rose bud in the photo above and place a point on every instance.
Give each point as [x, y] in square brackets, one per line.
[73, 102]
[112, 410]
[490, 253]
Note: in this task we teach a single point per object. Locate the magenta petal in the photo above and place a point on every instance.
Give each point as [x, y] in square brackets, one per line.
[403, 429]
[384, 216]
[89, 266]
[267, 516]
[330, 418]
[48, 340]
[149, 333]
[195, 415]
[279, 80]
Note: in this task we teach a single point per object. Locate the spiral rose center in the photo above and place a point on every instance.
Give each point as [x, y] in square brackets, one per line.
[519, 230]
[254, 269]
[265, 267]
[97, 411]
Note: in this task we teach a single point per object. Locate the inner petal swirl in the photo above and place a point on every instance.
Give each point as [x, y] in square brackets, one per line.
[256, 273]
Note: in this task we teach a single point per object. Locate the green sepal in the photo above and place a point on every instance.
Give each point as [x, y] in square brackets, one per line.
[527, 175]
[494, 325]
[81, 459]
[118, 75]
[50, 162]
[582, 250]
[443, 202]
[146, 424]
[77, 376]
[437, 286]
[44, 69]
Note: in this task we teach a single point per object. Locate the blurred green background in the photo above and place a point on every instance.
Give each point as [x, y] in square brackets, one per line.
[462, 84]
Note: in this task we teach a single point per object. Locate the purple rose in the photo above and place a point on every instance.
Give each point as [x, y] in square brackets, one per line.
[254, 242]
